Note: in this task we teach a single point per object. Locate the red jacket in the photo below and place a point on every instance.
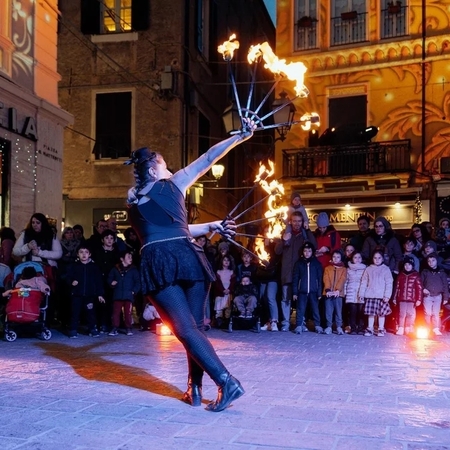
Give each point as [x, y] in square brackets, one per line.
[330, 239]
[408, 287]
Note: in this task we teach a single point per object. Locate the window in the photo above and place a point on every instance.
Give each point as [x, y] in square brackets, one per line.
[6, 46]
[393, 18]
[204, 131]
[348, 22]
[306, 25]
[202, 27]
[113, 112]
[114, 16]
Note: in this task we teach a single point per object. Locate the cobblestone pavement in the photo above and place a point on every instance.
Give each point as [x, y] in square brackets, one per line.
[302, 392]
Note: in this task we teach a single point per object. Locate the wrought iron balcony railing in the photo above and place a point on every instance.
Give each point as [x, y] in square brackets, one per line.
[306, 34]
[349, 28]
[393, 20]
[347, 160]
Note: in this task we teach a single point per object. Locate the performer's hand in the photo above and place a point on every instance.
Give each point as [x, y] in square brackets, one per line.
[225, 228]
[248, 126]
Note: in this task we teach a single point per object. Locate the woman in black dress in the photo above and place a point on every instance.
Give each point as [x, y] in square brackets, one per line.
[174, 268]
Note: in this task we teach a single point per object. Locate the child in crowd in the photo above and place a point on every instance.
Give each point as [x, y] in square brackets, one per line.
[30, 279]
[247, 268]
[86, 283]
[307, 281]
[408, 294]
[376, 290]
[443, 236]
[223, 287]
[435, 289]
[408, 247]
[296, 205]
[125, 280]
[355, 304]
[334, 277]
[430, 247]
[245, 297]
[349, 249]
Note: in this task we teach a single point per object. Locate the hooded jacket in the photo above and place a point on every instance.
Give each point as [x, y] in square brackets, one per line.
[408, 287]
[307, 276]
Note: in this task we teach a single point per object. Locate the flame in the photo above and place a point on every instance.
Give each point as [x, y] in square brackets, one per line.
[294, 71]
[228, 47]
[276, 215]
[310, 119]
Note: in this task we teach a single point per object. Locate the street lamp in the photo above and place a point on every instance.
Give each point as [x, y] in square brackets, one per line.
[284, 115]
[217, 171]
[231, 119]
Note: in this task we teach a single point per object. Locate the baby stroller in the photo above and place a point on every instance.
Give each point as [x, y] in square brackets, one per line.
[248, 322]
[26, 307]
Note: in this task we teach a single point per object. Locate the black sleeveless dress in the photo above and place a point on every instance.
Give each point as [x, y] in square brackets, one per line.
[169, 253]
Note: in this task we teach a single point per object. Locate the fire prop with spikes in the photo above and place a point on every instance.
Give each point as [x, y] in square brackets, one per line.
[293, 71]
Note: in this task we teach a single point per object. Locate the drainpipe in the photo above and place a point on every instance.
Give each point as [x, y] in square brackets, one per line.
[424, 97]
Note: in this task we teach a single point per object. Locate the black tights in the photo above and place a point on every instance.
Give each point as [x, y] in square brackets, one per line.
[182, 308]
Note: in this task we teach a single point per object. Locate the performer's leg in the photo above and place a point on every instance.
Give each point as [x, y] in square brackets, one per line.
[182, 310]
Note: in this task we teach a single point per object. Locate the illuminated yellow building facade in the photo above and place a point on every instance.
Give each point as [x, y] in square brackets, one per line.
[383, 64]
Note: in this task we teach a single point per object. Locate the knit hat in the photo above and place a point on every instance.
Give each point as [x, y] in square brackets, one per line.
[384, 221]
[223, 246]
[295, 195]
[308, 245]
[408, 260]
[322, 220]
[431, 244]
[442, 220]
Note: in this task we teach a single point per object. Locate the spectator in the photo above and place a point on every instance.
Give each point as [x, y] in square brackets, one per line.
[8, 239]
[382, 238]
[376, 290]
[334, 278]
[408, 246]
[30, 279]
[427, 249]
[86, 283]
[420, 233]
[79, 233]
[355, 305]
[246, 268]
[125, 282]
[289, 248]
[94, 243]
[111, 224]
[443, 237]
[224, 288]
[435, 290]
[132, 240]
[223, 249]
[349, 249]
[246, 297]
[408, 294]
[296, 205]
[307, 282]
[358, 239]
[327, 238]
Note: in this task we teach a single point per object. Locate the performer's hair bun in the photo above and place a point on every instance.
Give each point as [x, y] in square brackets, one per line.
[140, 155]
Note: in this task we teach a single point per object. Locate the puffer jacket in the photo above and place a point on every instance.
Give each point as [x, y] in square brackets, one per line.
[307, 276]
[354, 275]
[408, 287]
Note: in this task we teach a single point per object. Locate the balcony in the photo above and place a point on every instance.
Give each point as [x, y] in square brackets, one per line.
[306, 34]
[393, 20]
[349, 160]
[349, 28]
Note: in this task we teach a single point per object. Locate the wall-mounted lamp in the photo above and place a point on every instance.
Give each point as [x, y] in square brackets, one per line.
[231, 119]
[284, 115]
[217, 171]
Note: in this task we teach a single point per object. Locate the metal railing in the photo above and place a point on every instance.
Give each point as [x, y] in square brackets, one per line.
[347, 160]
[394, 20]
[306, 34]
[349, 28]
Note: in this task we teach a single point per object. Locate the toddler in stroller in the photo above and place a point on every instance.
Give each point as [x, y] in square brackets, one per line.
[27, 300]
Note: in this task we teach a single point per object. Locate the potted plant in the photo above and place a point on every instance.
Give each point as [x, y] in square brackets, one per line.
[350, 15]
[305, 22]
[394, 8]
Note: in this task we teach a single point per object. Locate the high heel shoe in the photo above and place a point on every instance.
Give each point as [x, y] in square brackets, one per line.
[230, 389]
[193, 395]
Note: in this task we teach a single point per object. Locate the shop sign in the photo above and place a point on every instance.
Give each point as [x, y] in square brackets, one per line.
[25, 126]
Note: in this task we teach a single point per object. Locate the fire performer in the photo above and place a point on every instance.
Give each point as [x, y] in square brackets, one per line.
[174, 269]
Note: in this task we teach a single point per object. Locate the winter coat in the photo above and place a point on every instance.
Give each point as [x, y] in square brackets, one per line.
[436, 282]
[246, 290]
[219, 287]
[376, 282]
[351, 288]
[89, 277]
[307, 276]
[334, 279]
[393, 255]
[46, 256]
[408, 287]
[246, 271]
[330, 239]
[128, 282]
[290, 251]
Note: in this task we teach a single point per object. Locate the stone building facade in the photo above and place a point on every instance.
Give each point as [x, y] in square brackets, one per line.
[149, 75]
